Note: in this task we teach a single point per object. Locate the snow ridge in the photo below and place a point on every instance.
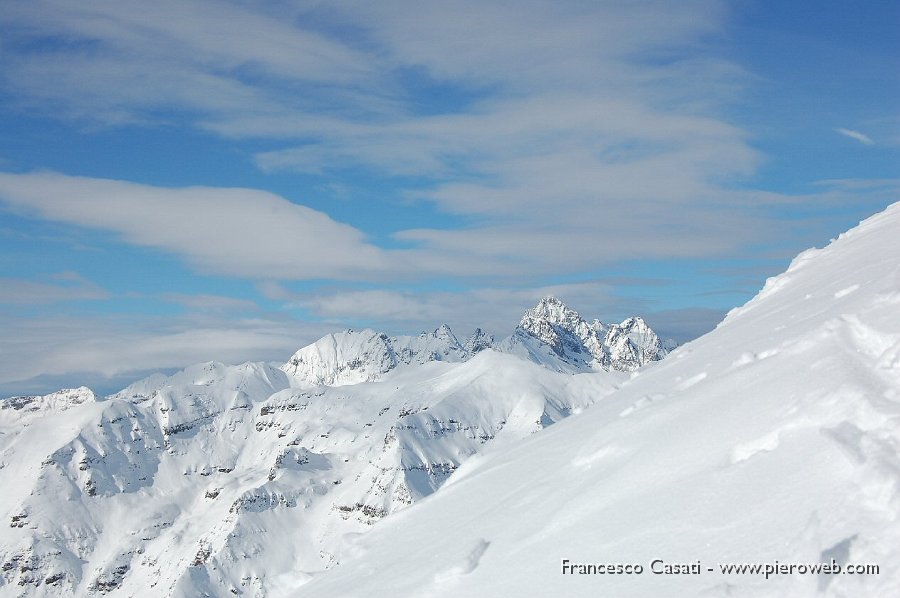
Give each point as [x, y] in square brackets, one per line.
[352, 357]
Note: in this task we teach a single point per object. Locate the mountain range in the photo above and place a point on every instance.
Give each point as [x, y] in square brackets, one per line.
[247, 480]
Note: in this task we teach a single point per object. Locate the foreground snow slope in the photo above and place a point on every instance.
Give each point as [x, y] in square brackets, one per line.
[774, 437]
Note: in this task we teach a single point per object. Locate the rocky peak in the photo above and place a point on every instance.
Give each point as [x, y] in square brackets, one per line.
[445, 334]
[479, 341]
[553, 311]
[625, 346]
[635, 323]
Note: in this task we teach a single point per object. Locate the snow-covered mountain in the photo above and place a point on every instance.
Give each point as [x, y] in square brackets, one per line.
[550, 334]
[352, 357]
[559, 338]
[244, 480]
[773, 441]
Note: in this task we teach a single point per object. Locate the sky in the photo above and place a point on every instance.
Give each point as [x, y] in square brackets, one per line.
[185, 181]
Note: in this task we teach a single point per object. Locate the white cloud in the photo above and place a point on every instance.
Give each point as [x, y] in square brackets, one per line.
[537, 226]
[527, 232]
[684, 324]
[236, 232]
[279, 69]
[122, 60]
[855, 135]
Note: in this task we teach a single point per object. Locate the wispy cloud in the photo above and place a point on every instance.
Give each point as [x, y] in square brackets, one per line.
[281, 69]
[530, 227]
[237, 232]
[862, 138]
[117, 62]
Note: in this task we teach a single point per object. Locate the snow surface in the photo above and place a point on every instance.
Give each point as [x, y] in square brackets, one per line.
[774, 437]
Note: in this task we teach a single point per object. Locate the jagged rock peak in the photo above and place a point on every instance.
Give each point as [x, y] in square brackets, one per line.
[552, 309]
[590, 345]
[634, 323]
[479, 341]
[443, 332]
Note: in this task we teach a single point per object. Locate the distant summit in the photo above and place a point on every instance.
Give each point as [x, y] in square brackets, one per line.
[558, 337]
[551, 334]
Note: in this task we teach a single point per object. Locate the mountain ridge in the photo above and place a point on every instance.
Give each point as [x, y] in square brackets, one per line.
[189, 483]
[551, 334]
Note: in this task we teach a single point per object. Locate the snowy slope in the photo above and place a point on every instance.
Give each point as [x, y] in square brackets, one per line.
[776, 437]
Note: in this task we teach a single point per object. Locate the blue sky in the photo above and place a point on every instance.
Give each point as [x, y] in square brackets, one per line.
[187, 181]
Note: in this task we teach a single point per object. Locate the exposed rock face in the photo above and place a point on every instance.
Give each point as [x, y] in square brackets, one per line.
[575, 344]
[633, 344]
[479, 341]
